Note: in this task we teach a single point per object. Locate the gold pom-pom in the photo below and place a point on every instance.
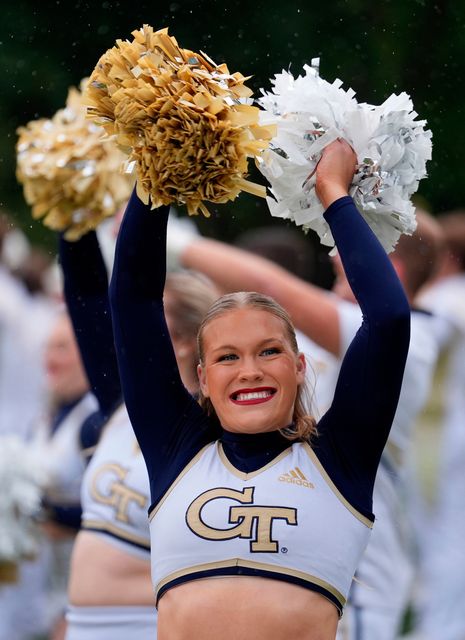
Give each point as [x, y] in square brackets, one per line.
[70, 171]
[186, 123]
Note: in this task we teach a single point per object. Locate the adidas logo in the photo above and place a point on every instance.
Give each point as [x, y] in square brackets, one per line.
[295, 476]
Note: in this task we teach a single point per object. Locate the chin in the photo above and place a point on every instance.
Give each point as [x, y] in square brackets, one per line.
[258, 419]
[251, 427]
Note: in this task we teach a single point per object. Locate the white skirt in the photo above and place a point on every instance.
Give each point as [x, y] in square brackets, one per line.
[111, 623]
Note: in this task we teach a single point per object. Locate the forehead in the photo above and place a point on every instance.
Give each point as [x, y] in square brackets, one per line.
[242, 327]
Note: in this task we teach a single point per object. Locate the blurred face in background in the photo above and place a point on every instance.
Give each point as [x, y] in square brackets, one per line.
[66, 379]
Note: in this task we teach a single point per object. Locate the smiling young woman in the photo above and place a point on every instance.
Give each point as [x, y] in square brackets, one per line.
[110, 592]
[244, 488]
[251, 378]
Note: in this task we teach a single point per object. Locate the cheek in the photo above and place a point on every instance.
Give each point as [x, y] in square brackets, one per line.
[216, 382]
[68, 362]
[287, 372]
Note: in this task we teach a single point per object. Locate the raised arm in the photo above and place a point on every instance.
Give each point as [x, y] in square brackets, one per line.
[86, 294]
[167, 420]
[354, 431]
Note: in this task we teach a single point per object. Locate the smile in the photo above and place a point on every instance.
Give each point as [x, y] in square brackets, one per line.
[253, 396]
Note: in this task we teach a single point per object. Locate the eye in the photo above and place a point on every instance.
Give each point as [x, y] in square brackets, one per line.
[227, 357]
[270, 351]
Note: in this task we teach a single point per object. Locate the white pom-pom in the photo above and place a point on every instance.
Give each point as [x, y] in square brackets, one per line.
[22, 476]
[392, 149]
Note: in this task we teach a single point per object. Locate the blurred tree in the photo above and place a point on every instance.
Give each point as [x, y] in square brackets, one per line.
[379, 48]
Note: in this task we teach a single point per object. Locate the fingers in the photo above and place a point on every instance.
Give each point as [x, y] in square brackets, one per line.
[335, 171]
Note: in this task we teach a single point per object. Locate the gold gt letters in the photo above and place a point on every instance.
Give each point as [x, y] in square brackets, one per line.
[116, 494]
[254, 522]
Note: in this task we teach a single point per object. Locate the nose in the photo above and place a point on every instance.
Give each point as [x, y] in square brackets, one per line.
[250, 370]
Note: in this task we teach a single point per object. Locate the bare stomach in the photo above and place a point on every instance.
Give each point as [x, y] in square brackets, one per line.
[240, 608]
[104, 575]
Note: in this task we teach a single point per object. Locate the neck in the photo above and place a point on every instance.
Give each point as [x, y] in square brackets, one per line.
[261, 439]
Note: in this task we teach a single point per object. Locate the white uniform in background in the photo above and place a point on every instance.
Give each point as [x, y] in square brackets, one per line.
[442, 542]
[25, 323]
[115, 497]
[62, 455]
[380, 593]
[33, 604]
[115, 494]
[322, 374]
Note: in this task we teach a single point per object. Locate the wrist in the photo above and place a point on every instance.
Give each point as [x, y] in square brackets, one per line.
[329, 193]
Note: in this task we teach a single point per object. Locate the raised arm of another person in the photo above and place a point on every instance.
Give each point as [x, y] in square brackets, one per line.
[313, 311]
[354, 430]
[169, 424]
[86, 294]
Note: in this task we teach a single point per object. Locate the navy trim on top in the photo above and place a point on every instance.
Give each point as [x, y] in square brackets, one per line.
[132, 543]
[248, 571]
[62, 412]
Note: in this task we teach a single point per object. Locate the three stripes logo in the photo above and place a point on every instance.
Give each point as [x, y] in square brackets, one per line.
[295, 476]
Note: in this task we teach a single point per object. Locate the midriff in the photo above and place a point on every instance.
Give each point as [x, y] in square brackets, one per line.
[104, 575]
[240, 608]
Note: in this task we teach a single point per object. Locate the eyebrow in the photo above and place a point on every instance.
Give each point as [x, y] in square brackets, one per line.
[230, 347]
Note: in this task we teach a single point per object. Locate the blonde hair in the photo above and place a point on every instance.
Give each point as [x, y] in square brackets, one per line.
[304, 425]
[190, 297]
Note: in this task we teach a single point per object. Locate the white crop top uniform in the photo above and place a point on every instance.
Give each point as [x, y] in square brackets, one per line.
[62, 454]
[115, 490]
[286, 521]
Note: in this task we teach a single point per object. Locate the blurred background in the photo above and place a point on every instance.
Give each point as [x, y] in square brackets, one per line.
[377, 48]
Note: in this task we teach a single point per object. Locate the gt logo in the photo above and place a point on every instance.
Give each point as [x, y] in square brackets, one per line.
[108, 488]
[254, 522]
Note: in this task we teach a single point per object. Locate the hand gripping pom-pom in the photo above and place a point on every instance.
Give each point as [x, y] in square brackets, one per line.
[71, 176]
[186, 123]
[392, 148]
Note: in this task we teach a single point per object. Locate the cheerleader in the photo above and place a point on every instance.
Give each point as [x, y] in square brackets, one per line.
[110, 593]
[246, 487]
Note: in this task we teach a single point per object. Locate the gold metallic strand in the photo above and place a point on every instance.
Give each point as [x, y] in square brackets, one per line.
[186, 123]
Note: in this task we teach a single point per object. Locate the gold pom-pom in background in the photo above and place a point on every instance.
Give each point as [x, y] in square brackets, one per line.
[70, 170]
[186, 123]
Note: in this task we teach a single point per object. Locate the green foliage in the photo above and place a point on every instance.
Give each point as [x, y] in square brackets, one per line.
[377, 48]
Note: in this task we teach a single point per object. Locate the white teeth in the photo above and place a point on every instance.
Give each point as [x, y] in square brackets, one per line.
[256, 395]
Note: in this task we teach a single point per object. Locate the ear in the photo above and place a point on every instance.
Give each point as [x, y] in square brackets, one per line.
[203, 381]
[301, 368]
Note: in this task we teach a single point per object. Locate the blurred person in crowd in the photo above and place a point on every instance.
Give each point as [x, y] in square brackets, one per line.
[285, 246]
[25, 317]
[37, 602]
[441, 582]
[33, 271]
[380, 594]
[110, 592]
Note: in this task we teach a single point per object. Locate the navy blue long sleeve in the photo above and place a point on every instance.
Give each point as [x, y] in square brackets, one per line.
[169, 424]
[86, 294]
[68, 516]
[355, 429]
